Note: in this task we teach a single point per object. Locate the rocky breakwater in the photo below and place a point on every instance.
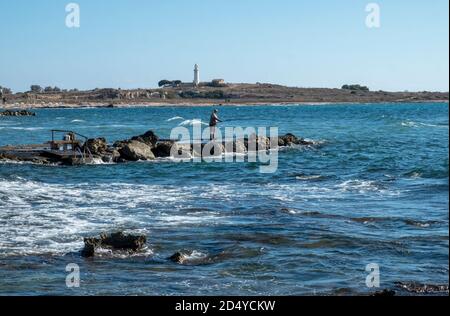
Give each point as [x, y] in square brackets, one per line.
[149, 146]
[17, 113]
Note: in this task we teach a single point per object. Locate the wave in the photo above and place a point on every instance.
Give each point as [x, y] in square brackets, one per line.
[192, 123]
[175, 118]
[363, 186]
[428, 173]
[409, 123]
[42, 218]
[310, 177]
[77, 121]
[21, 128]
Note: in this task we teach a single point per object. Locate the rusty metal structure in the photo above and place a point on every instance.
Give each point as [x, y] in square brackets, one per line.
[66, 149]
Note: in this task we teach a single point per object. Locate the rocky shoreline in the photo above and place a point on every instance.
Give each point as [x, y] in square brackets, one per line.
[149, 146]
[17, 113]
[228, 94]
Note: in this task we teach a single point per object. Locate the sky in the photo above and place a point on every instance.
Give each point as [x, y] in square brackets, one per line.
[135, 43]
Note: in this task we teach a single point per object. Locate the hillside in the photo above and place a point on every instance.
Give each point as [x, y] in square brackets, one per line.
[228, 94]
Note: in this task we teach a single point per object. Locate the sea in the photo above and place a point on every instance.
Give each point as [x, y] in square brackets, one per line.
[367, 205]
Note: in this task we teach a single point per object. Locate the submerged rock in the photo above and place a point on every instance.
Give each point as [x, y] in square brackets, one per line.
[419, 288]
[189, 257]
[178, 257]
[114, 241]
[17, 113]
[385, 292]
[136, 150]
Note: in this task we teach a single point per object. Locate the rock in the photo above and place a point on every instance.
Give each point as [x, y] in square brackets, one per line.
[17, 113]
[136, 150]
[212, 149]
[254, 142]
[149, 138]
[419, 288]
[125, 242]
[97, 146]
[90, 244]
[119, 144]
[190, 257]
[115, 241]
[237, 146]
[178, 257]
[8, 156]
[281, 142]
[385, 292]
[289, 139]
[163, 149]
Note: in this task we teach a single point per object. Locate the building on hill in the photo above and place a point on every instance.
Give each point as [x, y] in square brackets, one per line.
[196, 75]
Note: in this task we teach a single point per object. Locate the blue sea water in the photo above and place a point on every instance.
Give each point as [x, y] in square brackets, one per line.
[373, 190]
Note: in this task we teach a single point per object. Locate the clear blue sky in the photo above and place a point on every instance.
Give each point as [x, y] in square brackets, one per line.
[135, 43]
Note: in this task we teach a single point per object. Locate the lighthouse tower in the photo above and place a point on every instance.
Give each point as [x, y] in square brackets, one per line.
[196, 75]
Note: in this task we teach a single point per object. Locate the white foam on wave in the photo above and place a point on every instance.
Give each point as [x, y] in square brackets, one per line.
[17, 128]
[175, 118]
[409, 123]
[364, 186]
[306, 178]
[77, 121]
[192, 123]
[41, 218]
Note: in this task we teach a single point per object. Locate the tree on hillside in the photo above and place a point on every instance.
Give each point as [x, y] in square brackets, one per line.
[355, 87]
[164, 82]
[36, 88]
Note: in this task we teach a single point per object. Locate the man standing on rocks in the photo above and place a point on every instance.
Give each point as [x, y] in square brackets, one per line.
[213, 123]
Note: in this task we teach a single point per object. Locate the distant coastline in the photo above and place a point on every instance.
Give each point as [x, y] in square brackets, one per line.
[226, 95]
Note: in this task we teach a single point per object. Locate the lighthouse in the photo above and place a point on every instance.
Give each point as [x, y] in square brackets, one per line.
[196, 75]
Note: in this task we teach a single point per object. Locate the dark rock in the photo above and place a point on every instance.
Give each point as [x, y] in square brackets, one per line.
[190, 257]
[90, 244]
[254, 142]
[121, 241]
[115, 241]
[8, 156]
[98, 146]
[289, 139]
[385, 292]
[178, 257]
[149, 138]
[17, 113]
[112, 155]
[163, 149]
[419, 288]
[136, 150]
[119, 144]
